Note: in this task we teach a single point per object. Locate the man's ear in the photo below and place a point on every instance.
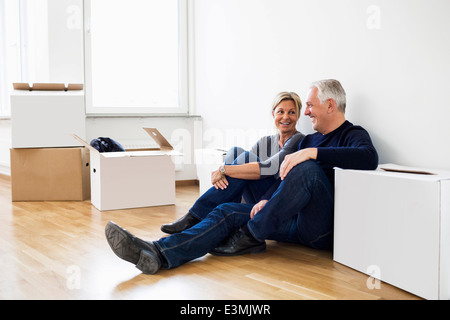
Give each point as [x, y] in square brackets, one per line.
[331, 105]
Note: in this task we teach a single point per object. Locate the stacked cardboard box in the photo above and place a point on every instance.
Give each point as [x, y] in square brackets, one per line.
[47, 164]
[51, 160]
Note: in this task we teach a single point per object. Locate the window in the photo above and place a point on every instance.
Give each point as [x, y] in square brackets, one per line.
[136, 56]
[23, 46]
[9, 23]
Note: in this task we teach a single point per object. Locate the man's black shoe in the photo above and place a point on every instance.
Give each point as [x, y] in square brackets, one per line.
[181, 224]
[239, 243]
[143, 254]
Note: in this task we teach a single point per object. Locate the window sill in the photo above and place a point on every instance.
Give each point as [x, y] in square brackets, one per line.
[141, 115]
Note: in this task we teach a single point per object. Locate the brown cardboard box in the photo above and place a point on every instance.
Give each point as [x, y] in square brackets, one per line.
[50, 174]
[47, 86]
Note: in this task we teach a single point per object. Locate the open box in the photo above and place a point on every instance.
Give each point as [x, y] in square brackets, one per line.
[133, 179]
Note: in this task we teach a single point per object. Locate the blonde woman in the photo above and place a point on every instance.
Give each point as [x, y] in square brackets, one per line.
[248, 174]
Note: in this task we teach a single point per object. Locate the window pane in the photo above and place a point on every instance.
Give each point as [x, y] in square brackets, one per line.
[9, 52]
[134, 53]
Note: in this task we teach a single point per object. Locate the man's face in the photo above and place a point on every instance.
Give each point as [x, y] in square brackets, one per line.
[316, 111]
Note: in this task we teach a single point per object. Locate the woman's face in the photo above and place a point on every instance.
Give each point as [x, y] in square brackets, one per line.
[286, 116]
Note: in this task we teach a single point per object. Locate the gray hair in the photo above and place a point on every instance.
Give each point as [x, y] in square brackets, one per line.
[331, 89]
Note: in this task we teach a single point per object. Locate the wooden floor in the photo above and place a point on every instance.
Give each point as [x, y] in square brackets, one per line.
[57, 250]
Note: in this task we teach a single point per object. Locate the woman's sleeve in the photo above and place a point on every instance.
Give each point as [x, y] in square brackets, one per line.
[271, 166]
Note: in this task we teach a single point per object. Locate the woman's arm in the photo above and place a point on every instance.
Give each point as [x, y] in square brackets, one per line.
[247, 171]
[269, 166]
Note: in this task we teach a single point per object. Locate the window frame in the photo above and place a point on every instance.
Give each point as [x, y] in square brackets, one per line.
[183, 78]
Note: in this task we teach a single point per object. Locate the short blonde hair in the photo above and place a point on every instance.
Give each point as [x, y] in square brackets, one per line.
[283, 96]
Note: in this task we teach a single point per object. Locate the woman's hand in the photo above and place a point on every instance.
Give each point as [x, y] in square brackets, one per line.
[257, 207]
[218, 180]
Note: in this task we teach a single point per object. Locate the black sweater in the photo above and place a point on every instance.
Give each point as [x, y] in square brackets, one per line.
[347, 147]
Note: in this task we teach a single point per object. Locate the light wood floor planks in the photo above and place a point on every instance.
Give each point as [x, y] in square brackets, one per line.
[57, 250]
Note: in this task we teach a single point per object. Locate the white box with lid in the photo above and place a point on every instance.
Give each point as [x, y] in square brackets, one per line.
[395, 223]
[46, 119]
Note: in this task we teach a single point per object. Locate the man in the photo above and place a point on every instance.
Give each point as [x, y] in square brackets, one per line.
[298, 209]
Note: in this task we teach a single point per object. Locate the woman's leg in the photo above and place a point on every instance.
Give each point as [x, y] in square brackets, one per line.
[236, 189]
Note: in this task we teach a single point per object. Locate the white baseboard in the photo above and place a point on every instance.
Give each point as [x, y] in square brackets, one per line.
[5, 169]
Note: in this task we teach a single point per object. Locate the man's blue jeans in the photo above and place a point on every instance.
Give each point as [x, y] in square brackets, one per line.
[300, 211]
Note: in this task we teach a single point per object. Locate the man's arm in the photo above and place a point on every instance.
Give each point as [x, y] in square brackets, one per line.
[291, 160]
[355, 151]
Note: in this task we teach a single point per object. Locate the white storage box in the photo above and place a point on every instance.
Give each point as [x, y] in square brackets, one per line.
[133, 179]
[395, 226]
[46, 119]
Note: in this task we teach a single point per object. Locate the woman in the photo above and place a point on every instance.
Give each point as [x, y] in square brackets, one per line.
[248, 174]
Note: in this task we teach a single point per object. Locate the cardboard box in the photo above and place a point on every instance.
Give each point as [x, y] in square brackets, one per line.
[133, 179]
[47, 86]
[395, 226]
[50, 174]
[50, 116]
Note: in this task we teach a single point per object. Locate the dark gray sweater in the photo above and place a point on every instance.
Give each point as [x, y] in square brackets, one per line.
[271, 155]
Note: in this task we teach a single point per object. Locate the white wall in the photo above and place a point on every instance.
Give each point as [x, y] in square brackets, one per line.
[392, 58]
[65, 38]
[394, 67]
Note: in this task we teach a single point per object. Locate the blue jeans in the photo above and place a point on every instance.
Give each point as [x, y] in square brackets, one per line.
[300, 211]
[250, 190]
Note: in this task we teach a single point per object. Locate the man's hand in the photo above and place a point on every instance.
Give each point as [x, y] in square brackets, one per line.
[257, 207]
[218, 180]
[293, 159]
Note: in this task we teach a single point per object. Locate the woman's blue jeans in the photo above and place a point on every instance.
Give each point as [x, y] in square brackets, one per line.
[300, 211]
[250, 190]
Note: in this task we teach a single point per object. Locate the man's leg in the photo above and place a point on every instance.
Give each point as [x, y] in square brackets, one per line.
[305, 196]
[177, 249]
[206, 235]
[300, 211]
